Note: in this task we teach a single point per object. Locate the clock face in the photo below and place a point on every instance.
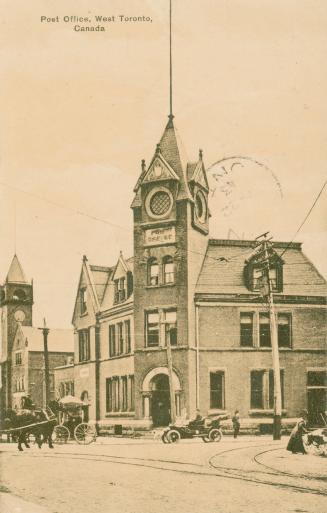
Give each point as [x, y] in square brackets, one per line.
[19, 315]
[200, 207]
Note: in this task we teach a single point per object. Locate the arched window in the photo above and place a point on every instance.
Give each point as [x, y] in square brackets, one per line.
[168, 269]
[19, 295]
[153, 271]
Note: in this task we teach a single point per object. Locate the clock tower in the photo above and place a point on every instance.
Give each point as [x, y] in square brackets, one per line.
[16, 302]
[171, 226]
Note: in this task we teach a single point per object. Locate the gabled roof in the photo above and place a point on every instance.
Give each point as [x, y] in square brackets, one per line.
[100, 278]
[61, 341]
[223, 269]
[171, 150]
[196, 173]
[16, 273]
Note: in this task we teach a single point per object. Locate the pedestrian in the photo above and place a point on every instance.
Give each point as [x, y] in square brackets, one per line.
[236, 423]
[295, 443]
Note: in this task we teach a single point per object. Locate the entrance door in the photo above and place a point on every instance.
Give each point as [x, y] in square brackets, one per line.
[317, 397]
[317, 404]
[160, 401]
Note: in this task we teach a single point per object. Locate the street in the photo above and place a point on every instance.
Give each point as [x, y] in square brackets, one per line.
[251, 474]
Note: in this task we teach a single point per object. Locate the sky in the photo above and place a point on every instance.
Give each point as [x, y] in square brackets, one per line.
[81, 109]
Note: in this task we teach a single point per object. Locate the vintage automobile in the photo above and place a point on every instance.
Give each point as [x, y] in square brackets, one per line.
[207, 428]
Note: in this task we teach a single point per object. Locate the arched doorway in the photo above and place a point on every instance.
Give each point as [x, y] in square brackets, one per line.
[160, 400]
[156, 396]
[85, 405]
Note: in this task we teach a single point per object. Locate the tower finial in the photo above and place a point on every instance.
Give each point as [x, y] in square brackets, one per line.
[200, 154]
[170, 66]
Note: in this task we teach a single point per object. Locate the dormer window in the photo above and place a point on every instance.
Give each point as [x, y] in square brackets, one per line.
[256, 275]
[153, 272]
[259, 278]
[83, 300]
[120, 290]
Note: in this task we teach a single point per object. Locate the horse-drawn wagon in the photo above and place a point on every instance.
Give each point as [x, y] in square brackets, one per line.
[21, 425]
[70, 422]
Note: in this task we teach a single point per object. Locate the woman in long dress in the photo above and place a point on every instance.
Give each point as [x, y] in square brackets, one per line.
[295, 443]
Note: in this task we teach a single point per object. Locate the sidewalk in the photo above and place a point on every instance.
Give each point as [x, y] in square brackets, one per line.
[13, 504]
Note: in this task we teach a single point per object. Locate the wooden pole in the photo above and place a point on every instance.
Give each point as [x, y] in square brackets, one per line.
[275, 354]
[45, 332]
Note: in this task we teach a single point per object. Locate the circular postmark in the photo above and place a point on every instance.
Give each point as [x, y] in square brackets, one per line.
[245, 196]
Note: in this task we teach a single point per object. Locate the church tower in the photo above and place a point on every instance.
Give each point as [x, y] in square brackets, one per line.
[16, 301]
[171, 226]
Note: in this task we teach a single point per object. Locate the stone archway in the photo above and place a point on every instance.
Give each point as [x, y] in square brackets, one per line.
[156, 396]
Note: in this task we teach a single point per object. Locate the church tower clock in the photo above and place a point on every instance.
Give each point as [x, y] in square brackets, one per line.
[16, 302]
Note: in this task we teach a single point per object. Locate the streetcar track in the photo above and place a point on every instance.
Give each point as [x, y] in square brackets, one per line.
[277, 471]
[222, 472]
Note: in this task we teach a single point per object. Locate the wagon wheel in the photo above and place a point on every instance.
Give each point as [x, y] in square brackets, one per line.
[60, 434]
[215, 435]
[84, 434]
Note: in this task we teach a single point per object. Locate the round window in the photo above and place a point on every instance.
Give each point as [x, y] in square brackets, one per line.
[200, 207]
[160, 203]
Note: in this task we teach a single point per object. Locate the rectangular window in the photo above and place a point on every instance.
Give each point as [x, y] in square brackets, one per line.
[124, 393]
[128, 336]
[273, 278]
[152, 329]
[112, 340]
[18, 358]
[264, 330]
[117, 394]
[131, 381]
[108, 394]
[153, 273]
[284, 330]
[83, 299]
[169, 270]
[317, 379]
[84, 345]
[120, 338]
[257, 274]
[257, 389]
[262, 389]
[120, 291]
[246, 329]
[171, 327]
[217, 393]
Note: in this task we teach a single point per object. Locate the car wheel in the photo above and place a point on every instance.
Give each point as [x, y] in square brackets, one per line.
[173, 436]
[215, 435]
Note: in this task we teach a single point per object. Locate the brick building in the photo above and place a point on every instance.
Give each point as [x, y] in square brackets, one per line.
[203, 296]
[22, 357]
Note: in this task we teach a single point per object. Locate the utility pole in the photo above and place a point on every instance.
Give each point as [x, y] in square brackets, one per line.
[274, 340]
[45, 332]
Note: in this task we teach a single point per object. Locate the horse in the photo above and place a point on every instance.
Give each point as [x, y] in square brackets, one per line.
[25, 422]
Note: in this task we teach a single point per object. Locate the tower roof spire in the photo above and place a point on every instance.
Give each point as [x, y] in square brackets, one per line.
[16, 273]
[171, 116]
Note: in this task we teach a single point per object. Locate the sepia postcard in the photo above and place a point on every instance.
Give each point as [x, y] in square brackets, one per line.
[163, 265]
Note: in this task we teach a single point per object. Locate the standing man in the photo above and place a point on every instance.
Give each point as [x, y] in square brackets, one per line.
[236, 423]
